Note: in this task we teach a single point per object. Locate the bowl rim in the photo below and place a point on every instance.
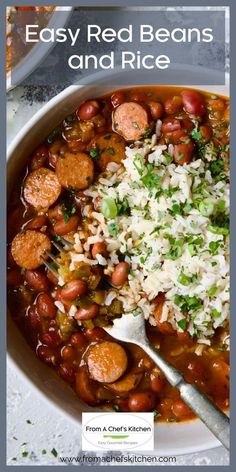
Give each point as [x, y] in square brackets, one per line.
[37, 53]
[62, 96]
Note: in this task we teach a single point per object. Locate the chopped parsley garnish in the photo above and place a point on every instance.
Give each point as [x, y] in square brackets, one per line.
[219, 224]
[150, 179]
[116, 407]
[169, 158]
[94, 153]
[24, 454]
[214, 246]
[216, 168]
[123, 207]
[176, 250]
[28, 422]
[187, 303]
[113, 229]
[196, 134]
[147, 133]
[68, 207]
[111, 151]
[54, 452]
[43, 452]
[157, 414]
[182, 323]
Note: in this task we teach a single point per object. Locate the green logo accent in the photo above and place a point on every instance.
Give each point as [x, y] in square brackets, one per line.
[115, 436]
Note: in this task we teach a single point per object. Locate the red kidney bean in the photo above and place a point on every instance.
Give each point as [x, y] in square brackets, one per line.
[14, 278]
[157, 380]
[33, 317]
[67, 372]
[120, 274]
[206, 133]
[183, 153]
[51, 338]
[68, 353]
[39, 157]
[180, 409]
[170, 124]
[37, 280]
[117, 98]
[176, 137]
[88, 110]
[142, 401]
[47, 354]
[74, 289]
[37, 222]
[193, 102]
[45, 306]
[156, 109]
[196, 368]
[59, 298]
[173, 105]
[87, 313]
[78, 340]
[187, 124]
[64, 227]
[95, 334]
[99, 248]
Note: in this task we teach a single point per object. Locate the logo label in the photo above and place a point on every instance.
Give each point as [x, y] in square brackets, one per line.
[117, 431]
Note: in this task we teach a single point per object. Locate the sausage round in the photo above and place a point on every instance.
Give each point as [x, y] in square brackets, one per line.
[42, 188]
[107, 361]
[127, 383]
[110, 148]
[30, 248]
[130, 120]
[75, 171]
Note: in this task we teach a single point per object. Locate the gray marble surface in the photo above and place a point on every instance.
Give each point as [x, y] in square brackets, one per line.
[34, 430]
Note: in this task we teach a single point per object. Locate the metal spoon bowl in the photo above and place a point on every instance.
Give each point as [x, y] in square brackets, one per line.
[131, 329]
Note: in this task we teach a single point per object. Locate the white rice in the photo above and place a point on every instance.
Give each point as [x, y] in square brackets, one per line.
[148, 233]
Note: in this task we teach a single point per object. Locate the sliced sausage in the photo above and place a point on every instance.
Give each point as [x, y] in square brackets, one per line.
[29, 248]
[109, 148]
[107, 361]
[127, 383]
[42, 188]
[75, 171]
[84, 387]
[130, 120]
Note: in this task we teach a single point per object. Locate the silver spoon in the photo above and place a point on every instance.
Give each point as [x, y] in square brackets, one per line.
[130, 328]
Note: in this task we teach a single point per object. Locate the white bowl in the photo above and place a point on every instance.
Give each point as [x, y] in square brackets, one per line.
[173, 438]
[39, 51]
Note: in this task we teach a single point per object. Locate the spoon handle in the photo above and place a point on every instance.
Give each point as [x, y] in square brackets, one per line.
[211, 415]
